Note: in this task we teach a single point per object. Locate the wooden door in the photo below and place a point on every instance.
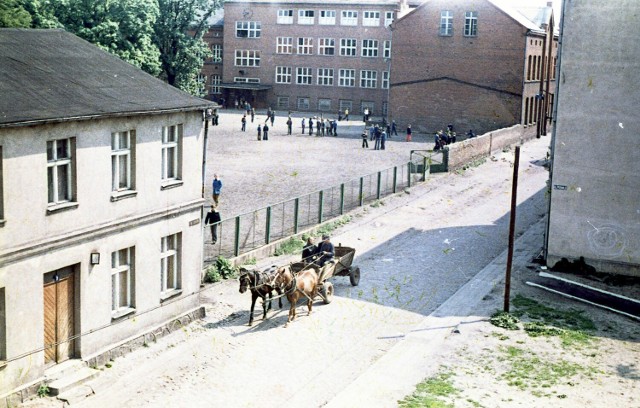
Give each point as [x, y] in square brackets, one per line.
[58, 319]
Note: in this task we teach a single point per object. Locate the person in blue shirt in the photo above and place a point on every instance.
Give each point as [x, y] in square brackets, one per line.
[217, 186]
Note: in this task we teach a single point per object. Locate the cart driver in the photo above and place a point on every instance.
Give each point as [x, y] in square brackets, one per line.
[325, 252]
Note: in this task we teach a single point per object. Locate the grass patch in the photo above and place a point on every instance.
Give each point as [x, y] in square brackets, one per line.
[291, 246]
[505, 320]
[329, 227]
[429, 393]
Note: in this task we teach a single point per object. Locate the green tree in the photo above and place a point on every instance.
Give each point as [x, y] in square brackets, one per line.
[13, 14]
[178, 35]
[42, 13]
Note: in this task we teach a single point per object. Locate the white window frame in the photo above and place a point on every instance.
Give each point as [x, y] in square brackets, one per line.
[388, 18]
[284, 45]
[303, 103]
[321, 105]
[471, 24]
[122, 267]
[326, 46]
[305, 46]
[368, 78]
[325, 76]
[446, 23]
[171, 143]
[201, 82]
[216, 53]
[369, 48]
[285, 16]
[327, 17]
[371, 18]
[55, 164]
[283, 75]
[306, 16]
[170, 254]
[347, 77]
[348, 47]
[122, 147]
[349, 17]
[247, 58]
[214, 84]
[245, 80]
[252, 28]
[304, 76]
[385, 80]
[386, 49]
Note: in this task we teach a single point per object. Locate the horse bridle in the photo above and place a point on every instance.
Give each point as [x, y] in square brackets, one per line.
[256, 277]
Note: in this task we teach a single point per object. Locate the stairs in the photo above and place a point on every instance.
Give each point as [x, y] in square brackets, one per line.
[65, 380]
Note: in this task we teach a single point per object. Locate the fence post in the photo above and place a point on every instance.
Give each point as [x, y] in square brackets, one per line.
[361, 195]
[267, 234]
[236, 240]
[320, 206]
[424, 168]
[409, 174]
[341, 198]
[296, 213]
[378, 186]
[395, 179]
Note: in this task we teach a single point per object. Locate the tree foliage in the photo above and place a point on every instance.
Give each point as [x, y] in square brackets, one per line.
[13, 14]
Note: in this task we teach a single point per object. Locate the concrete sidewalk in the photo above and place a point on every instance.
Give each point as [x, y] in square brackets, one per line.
[395, 375]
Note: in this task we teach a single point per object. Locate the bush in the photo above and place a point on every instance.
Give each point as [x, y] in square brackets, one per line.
[221, 269]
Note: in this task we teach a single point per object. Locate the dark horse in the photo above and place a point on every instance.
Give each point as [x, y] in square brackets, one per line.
[261, 285]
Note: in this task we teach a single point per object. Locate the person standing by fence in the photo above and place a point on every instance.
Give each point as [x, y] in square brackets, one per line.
[212, 219]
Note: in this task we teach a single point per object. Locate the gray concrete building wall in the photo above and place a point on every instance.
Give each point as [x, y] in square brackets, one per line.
[595, 184]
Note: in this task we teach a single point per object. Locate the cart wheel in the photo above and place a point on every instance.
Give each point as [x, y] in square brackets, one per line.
[327, 293]
[354, 275]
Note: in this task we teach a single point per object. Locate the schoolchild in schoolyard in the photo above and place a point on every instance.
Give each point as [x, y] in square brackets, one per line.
[289, 125]
[244, 123]
[259, 132]
[409, 133]
[303, 126]
[365, 143]
[265, 132]
[310, 126]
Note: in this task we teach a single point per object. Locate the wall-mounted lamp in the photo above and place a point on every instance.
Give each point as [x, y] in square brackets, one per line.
[95, 258]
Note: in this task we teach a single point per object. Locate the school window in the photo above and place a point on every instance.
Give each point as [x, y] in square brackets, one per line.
[285, 17]
[283, 75]
[324, 105]
[284, 45]
[555, 62]
[303, 103]
[201, 83]
[306, 16]
[244, 80]
[122, 282]
[325, 76]
[369, 48]
[283, 102]
[170, 253]
[386, 49]
[327, 17]
[347, 77]
[248, 29]
[304, 76]
[171, 144]
[530, 59]
[247, 58]
[385, 108]
[446, 23]
[348, 47]
[349, 18]
[385, 80]
[470, 24]
[345, 104]
[61, 170]
[122, 150]
[388, 18]
[367, 105]
[326, 46]
[216, 53]
[305, 45]
[371, 18]
[368, 79]
[214, 84]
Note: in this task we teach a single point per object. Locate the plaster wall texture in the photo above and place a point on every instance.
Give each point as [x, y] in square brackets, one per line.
[595, 188]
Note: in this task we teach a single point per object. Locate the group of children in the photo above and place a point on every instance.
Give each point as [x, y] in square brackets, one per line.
[323, 126]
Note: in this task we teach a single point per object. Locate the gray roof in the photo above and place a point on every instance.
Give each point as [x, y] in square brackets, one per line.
[217, 18]
[293, 3]
[52, 76]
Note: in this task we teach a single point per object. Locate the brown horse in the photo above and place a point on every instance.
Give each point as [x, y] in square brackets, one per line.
[261, 285]
[296, 286]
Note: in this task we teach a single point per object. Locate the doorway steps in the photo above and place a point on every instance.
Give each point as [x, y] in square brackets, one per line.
[64, 379]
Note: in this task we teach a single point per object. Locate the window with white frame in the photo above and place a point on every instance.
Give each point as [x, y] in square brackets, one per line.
[446, 23]
[122, 281]
[371, 18]
[326, 46]
[348, 47]
[171, 144]
[388, 18]
[324, 105]
[201, 82]
[368, 79]
[216, 53]
[283, 75]
[285, 17]
[347, 77]
[170, 253]
[470, 24]
[386, 49]
[369, 48]
[306, 16]
[60, 170]
[245, 80]
[248, 29]
[305, 45]
[247, 58]
[325, 76]
[122, 149]
[283, 102]
[349, 18]
[303, 103]
[385, 80]
[385, 108]
[327, 17]
[214, 84]
[304, 76]
[284, 45]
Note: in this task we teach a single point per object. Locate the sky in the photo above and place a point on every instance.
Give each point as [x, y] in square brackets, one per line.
[557, 5]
